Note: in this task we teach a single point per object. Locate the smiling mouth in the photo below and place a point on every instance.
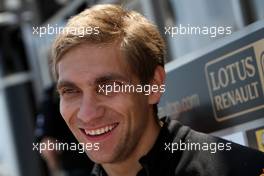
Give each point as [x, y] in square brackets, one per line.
[100, 131]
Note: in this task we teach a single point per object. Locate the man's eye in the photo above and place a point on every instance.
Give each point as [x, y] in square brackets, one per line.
[68, 91]
[113, 84]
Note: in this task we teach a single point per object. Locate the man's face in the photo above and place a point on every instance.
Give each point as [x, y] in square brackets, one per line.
[116, 121]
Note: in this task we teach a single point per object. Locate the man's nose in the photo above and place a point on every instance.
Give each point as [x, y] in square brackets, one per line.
[90, 109]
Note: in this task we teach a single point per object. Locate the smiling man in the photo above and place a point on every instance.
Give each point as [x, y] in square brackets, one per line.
[128, 51]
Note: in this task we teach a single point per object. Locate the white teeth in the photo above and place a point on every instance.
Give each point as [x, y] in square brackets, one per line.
[106, 129]
[99, 131]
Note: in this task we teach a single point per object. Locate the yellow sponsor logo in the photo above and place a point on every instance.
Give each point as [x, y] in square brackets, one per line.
[260, 139]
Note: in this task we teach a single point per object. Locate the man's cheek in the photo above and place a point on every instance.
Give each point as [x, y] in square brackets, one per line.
[122, 105]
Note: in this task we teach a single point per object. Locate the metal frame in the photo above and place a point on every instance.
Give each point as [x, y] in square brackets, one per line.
[217, 44]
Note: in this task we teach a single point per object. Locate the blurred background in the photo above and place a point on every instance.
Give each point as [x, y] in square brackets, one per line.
[24, 68]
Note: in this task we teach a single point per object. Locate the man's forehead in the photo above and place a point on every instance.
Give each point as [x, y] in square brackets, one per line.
[94, 55]
[93, 64]
[96, 80]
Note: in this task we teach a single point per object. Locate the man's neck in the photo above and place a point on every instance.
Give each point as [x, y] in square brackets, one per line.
[131, 166]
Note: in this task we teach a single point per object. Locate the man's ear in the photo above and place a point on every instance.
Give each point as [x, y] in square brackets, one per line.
[158, 86]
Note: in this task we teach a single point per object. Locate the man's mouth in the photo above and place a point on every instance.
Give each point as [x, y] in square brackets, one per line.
[97, 133]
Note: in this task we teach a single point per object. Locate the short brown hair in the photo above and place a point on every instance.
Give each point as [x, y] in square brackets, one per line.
[139, 39]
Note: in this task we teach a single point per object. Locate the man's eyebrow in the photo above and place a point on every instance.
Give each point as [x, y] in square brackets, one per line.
[110, 77]
[63, 83]
[99, 80]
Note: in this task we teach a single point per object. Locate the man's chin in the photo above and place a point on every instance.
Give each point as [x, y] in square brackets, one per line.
[101, 157]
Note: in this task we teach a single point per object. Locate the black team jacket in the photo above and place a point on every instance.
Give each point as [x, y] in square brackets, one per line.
[181, 151]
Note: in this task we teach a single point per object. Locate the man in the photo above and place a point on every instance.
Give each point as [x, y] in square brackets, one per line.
[126, 137]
